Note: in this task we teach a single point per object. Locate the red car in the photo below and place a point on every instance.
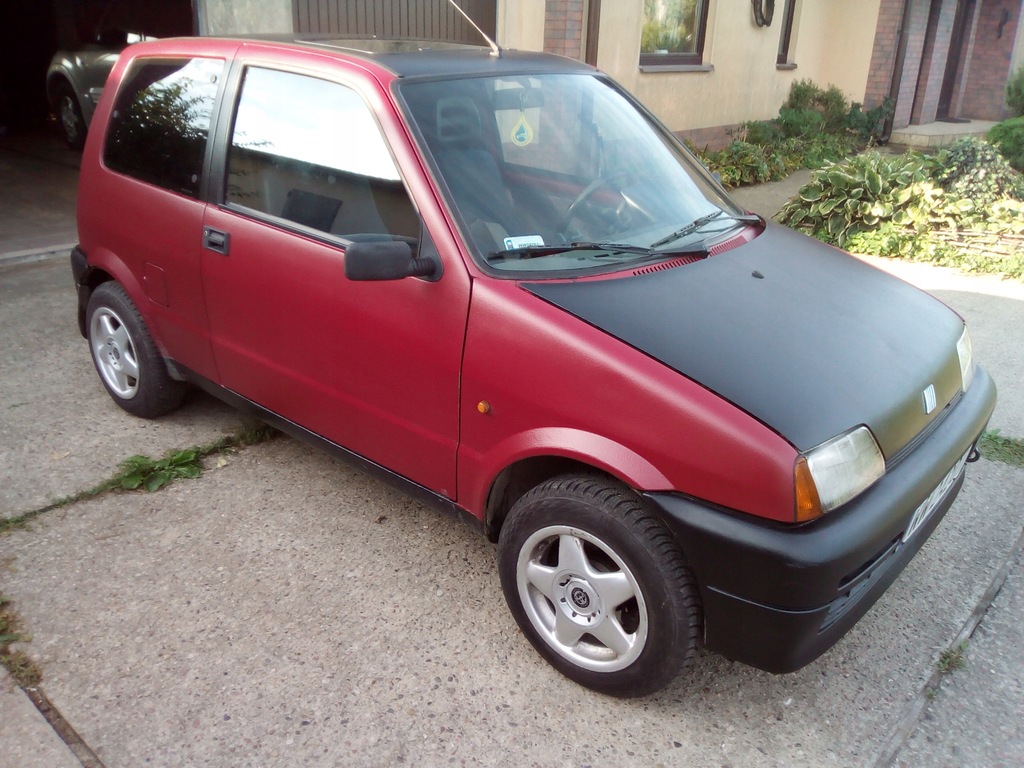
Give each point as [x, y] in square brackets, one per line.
[494, 279]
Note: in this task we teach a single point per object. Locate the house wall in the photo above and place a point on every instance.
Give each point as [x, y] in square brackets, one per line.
[831, 44]
[521, 24]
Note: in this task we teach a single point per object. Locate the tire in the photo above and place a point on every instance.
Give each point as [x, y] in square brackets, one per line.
[598, 585]
[126, 359]
[69, 115]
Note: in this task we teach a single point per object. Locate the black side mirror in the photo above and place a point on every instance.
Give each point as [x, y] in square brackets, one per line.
[384, 260]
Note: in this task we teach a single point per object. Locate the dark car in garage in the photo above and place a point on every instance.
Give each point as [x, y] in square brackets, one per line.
[76, 75]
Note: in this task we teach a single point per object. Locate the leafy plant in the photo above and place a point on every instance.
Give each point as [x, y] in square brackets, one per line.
[853, 196]
[1015, 92]
[1008, 138]
[834, 107]
[803, 94]
[974, 169]
[800, 122]
[249, 435]
[761, 132]
[144, 472]
[867, 126]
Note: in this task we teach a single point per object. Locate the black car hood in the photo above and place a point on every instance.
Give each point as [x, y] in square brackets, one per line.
[805, 338]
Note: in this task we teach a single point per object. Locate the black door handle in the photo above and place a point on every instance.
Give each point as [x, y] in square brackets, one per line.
[216, 240]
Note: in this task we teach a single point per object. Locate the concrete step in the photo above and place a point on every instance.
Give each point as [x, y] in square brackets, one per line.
[934, 135]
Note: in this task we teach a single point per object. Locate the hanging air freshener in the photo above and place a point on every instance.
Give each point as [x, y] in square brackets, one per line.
[522, 132]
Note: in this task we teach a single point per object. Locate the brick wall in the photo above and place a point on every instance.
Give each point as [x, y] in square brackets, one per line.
[984, 98]
[883, 55]
[563, 27]
[933, 63]
[716, 137]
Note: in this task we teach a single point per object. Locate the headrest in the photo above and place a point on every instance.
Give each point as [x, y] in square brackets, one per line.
[457, 119]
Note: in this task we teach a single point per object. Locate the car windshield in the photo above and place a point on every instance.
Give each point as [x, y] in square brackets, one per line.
[562, 173]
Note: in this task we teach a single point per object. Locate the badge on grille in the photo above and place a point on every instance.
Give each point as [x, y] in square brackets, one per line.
[929, 398]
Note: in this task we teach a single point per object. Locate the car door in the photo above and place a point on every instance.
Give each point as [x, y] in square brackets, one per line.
[371, 366]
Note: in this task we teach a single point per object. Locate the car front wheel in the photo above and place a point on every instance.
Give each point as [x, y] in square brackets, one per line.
[599, 586]
[69, 113]
[127, 360]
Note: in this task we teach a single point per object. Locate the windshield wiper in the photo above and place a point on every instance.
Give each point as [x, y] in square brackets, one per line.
[535, 251]
[699, 222]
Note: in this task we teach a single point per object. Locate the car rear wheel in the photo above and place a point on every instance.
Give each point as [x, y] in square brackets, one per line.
[127, 360]
[69, 113]
[599, 586]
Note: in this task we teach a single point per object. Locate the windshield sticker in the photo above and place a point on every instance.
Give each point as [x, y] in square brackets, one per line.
[522, 133]
[523, 241]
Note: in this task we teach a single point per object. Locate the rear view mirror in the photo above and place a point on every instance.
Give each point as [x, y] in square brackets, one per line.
[384, 260]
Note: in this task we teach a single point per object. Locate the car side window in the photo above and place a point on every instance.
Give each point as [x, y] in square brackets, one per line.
[309, 151]
[161, 122]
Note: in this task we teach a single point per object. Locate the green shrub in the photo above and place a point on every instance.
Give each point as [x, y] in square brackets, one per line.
[1008, 138]
[962, 208]
[760, 132]
[803, 94]
[974, 169]
[826, 148]
[800, 122]
[867, 125]
[834, 107]
[1015, 93]
[745, 163]
[814, 127]
[845, 198]
[805, 97]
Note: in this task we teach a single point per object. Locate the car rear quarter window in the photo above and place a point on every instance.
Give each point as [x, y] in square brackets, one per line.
[161, 121]
[310, 151]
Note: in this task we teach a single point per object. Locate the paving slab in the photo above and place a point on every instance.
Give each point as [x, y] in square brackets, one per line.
[26, 739]
[38, 194]
[977, 718]
[285, 609]
[60, 432]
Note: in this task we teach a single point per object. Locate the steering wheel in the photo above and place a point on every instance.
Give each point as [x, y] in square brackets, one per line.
[614, 183]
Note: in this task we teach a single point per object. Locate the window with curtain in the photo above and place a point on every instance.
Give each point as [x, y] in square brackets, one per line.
[673, 32]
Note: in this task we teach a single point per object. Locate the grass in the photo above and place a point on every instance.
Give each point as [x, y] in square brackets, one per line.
[141, 473]
[952, 659]
[26, 673]
[1008, 450]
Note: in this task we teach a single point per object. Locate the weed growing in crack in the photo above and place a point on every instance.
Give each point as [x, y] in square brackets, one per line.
[952, 659]
[26, 673]
[144, 473]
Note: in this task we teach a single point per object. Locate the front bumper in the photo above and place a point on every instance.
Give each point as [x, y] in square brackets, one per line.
[778, 596]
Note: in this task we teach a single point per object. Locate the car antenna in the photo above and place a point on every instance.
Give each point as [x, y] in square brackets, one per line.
[495, 49]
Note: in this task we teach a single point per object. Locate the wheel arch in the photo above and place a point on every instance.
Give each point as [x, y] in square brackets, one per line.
[54, 80]
[90, 280]
[98, 267]
[545, 454]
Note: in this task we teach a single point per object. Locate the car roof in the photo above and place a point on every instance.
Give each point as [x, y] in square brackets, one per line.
[409, 58]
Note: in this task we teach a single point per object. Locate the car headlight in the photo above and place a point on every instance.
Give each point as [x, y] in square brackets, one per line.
[835, 472]
[966, 355]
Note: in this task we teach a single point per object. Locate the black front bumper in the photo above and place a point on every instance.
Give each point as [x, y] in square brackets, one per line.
[778, 596]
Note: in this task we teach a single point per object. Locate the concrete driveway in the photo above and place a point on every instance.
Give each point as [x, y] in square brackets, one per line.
[284, 609]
